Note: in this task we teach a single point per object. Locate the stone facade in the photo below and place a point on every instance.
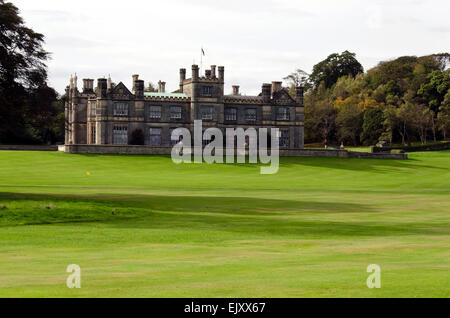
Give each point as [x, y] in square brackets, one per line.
[110, 115]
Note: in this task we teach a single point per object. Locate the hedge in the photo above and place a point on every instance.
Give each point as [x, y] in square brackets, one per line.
[430, 147]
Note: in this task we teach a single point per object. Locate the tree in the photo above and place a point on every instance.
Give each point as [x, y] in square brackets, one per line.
[333, 67]
[434, 90]
[151, 88]
[372, 126]
[349, 119]
[299, 78]
[443, 117]
[22, 71]
[43, 115]
[390, 122]
[320, 116]
[406, 115]
[422, 120]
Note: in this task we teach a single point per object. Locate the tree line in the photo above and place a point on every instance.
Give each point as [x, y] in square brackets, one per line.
[398, 101]
[402, 100]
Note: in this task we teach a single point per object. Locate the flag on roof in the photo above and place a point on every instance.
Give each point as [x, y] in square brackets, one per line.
[203, 52]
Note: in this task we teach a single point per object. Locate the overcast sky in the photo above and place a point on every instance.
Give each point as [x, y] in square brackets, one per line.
[257, 41]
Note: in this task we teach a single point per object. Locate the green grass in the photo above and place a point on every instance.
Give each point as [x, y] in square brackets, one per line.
[141, 226]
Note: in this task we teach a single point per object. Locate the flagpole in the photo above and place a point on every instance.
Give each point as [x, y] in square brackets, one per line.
[201, 61]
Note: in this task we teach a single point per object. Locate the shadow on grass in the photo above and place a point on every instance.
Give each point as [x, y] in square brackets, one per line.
[199, 215]
[198, 204]
[352, 164]
[355, 164]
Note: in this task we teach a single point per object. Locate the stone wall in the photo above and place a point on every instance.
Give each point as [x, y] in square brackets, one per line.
[29, 147]
[147, 150]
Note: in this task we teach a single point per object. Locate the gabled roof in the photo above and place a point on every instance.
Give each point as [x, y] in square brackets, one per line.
[283, 95]
[121, 89]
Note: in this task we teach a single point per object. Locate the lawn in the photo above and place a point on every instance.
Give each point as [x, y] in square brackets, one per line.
[141, 226]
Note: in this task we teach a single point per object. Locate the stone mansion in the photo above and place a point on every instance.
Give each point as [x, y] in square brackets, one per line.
[108, 119]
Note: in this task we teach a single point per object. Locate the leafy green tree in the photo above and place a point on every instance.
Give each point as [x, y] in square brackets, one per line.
[22, 75]
[43, 115]
[390, 123]
[422, 120]
[372, 127]
[349, 121]
[443, 117]
[320, 116]
[406, 114]
[434, 90]
[333, 67]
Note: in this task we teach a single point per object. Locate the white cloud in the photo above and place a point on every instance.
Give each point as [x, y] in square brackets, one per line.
[257, 41]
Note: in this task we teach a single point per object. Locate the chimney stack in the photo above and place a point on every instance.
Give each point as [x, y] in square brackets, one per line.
[299, 92]
[85, 85]
[135, 78]
[208, 73]
[139, 86]
[75, 82]
[236, 90]
[276, 87]
[213, 71]
[182, 75]
[102, 88]
[182, 78]
[266, 90]
[221, 73]
[194, 72]
[88, 85]
[161, 87]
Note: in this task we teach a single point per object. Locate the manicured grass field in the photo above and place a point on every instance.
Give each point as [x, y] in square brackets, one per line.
[141, 226]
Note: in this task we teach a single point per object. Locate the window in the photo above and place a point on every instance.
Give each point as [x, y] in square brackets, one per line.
[230, 114]
[120, 135]
[93, 134]
[207, 113]
[250, 114]
[155, 136]
[93, 109]
[284, 138]
[207, 91]
[120, 109]
[155, 112]
[175, 112]
[282, 113]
